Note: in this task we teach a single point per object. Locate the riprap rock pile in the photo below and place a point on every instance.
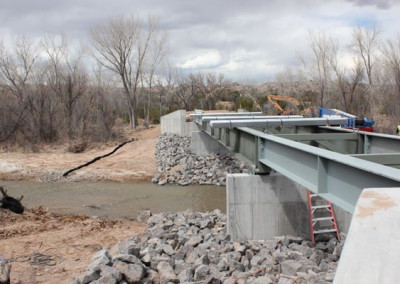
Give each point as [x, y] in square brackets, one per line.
[178, 165]
[190, 247]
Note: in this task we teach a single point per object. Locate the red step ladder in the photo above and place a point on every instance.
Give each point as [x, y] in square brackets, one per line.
[321, 211]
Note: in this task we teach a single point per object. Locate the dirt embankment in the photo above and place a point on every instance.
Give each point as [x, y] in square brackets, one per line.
[133, 162]
[44, 247]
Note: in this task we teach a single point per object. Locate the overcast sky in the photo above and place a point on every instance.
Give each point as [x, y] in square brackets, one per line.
[245, 40]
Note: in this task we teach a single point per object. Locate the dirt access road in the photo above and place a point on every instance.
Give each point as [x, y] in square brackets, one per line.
[44, 247]
[133, 162]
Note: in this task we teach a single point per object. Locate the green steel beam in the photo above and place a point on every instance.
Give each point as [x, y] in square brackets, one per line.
[319, 136]
[391, 160]
[336, 177]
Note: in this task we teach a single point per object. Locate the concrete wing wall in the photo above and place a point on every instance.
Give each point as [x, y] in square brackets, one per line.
[372, 246]
[175, 123]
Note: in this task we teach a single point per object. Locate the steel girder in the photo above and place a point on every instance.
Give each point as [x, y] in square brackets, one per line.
[337, 177]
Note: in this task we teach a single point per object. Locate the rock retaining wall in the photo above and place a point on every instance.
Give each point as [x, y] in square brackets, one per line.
[178, 165]
[190, 247]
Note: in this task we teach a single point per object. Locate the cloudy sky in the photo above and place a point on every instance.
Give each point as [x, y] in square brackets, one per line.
[246, 40]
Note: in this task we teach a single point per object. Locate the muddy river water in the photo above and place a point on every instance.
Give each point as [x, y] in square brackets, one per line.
[106, 199]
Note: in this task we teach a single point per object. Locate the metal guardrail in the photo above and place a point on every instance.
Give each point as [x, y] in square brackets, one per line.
[335, 176]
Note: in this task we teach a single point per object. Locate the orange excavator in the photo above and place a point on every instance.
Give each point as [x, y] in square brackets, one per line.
[275, 99]
[306, 112]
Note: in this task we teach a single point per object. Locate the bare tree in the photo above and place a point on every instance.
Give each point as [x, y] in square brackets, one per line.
[390, 58]
[183, 88]
[158, 51]
[319, 68]
[122, 46]
[16, 73]
[67, 76]
[365, 42]
[210, 86]
[16, 67]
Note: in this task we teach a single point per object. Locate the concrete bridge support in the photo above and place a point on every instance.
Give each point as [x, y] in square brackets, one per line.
[260, 207]
[371, 251]
[175, 123]
[203, 144]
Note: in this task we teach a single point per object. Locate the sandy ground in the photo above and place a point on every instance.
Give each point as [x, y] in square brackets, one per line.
[133, 162]
[48, 248]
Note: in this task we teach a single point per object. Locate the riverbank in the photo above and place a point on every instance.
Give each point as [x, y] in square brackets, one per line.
[133, 162]
[45, 247]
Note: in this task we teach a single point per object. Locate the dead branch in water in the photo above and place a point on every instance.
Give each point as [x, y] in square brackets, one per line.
[98, 158]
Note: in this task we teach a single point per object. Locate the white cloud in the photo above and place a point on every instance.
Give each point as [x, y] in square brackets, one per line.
[205, 60]
[240, 38]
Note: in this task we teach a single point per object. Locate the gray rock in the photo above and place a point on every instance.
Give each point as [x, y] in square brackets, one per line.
[152, 276]
[263, 280]
[212, 280]
[109, 279]
[131, 272]
[202, 260]
[143, 215]
[166, 272]
[192, 256]
[168, 249]
[257, 260]
[201, 272]
[223, 265]
[279, 256]
[235, 266]
[90, 276]
[317, 256]
[290, 267]
[194, 241]
[238, 247]
[129, 247]
[100, 259]
[186, 275]
[194, 247]
[129, 258]
[108, 270]
[146, 259]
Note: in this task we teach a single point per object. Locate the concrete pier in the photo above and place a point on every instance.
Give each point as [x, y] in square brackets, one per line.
[262, 207]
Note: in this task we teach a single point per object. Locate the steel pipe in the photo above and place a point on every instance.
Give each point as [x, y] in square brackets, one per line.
[226, 114]
[266, 123]
[209, 118]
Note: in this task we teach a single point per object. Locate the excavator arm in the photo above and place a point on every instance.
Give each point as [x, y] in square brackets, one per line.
[274, 100]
